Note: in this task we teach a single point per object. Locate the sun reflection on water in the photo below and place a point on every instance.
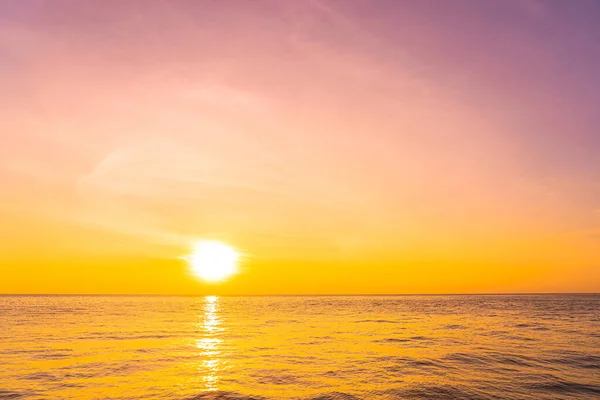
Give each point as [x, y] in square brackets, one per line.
[210, 344]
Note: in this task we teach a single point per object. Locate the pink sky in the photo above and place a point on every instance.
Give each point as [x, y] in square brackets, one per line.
[355, 132]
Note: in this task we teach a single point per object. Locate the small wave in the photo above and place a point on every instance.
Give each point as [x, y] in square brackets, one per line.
[279, 321]
[431, 391]
[565, 387]
[224, 396]
[398, 364]
[7, 394]
[124, 337]
[391, 340]
[494, 333]
[532, 327]
[490, 359]
[53, 356]
[522, 338]
[465, 358]
[278, 379]
[79, 375]
[578, 361]
[522, 326]
[39, 376]
[35, 351]
[145, 350]
[127, 368]
[454, 326]
[412, 339]
[513, 360]
[335, 396]
[378, 321]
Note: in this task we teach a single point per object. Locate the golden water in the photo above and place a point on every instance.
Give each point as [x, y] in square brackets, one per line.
[393, 347]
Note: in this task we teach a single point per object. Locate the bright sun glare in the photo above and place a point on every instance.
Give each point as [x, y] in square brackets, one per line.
[213, 261]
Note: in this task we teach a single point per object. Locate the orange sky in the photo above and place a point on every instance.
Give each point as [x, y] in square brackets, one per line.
[341, 147]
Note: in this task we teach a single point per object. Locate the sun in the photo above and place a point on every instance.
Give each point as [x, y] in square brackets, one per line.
[213, 261]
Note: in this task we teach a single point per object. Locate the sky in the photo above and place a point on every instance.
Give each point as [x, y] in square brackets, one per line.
[341, 146]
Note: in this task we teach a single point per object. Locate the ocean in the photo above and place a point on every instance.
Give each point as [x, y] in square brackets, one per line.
[329, 347]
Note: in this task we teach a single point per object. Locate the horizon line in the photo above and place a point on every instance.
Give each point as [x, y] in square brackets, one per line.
[297, 294]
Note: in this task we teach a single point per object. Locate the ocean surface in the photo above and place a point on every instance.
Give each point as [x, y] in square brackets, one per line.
[388, 347]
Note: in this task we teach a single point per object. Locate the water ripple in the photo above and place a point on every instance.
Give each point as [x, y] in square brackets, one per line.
[300, 348]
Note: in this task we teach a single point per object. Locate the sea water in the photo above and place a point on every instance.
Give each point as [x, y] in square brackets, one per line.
[353, 347]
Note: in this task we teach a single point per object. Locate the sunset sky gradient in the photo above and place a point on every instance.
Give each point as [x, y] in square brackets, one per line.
[342, 146]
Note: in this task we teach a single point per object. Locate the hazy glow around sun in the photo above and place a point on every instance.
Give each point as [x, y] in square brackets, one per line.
[213, 261]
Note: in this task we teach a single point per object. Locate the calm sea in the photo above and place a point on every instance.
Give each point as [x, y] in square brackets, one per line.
[394, 347]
